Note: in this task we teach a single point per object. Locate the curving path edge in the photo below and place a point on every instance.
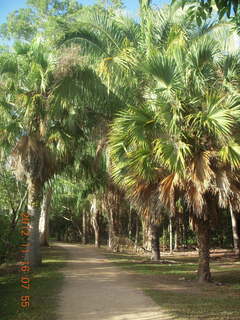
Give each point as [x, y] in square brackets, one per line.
[95, 289]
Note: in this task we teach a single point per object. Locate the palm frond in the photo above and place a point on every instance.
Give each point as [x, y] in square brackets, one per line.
[230, 154]
[164, 69]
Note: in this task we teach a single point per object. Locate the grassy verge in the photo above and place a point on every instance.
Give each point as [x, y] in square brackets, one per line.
[46, 281]
[175, 288]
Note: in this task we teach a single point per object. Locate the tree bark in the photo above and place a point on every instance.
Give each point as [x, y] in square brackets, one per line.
[236, 240]
[164, 240]
[111, 229]
[204, 274]
[44, 217]
[112, 202]
[176, 234]
[130, 223]
[176, 240]
[33, 255]
[84, 227]
[96, 228]
[155, 234]
[170, 235]
[146, 233]
[95, 222]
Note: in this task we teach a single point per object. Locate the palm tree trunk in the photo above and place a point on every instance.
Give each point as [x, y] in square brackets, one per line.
[33, 256]
[44, 217]
[96, 228]
[204, 274]
[95, 222]
[84, 227]
[130, 223]
[176, 239]
[146, 233]
[163, 240]
[137, 232]
[170, 235]
[155, 234]
[236, 240]
[111, 230]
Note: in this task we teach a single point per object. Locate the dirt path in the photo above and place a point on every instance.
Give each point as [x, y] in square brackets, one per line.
[94, 289]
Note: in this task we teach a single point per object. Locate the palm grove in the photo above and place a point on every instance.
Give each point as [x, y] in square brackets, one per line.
[123, 130]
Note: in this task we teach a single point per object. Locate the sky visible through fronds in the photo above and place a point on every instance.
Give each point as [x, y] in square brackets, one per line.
[11, 5]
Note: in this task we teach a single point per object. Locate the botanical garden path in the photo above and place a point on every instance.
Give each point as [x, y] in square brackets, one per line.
[94, 289]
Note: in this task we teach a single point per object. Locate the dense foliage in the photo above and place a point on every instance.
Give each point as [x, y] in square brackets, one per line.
[124, 131]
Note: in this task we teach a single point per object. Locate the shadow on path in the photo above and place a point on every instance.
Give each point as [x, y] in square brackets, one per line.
[94, 289]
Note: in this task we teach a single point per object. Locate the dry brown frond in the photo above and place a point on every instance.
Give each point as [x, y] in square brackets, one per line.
[167, 191]
[200, 172]
[195, 199]
[31, 159]
[145, 196]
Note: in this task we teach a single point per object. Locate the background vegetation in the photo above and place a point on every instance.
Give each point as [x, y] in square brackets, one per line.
[121, 131]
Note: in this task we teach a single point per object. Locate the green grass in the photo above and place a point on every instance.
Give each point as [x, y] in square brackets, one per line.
[205, 305]
[175, 288]
[46, 282]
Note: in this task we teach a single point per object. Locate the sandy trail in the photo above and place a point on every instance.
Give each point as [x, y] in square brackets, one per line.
[94, 289]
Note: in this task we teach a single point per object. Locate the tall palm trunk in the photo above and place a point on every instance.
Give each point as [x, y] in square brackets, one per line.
[155, 234]
[44, 217]
[204, 274]
[33, 256]
[130, 223]
[84, 227]
[111, 229]
[95, 224]
[176, 233]
[236, 240]
[170, 235]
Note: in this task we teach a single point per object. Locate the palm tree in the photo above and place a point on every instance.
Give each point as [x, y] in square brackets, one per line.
[184, 137]
[110, 40]
[44, 95]
[118, 46]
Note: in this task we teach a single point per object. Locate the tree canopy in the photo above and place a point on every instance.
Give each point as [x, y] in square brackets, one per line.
[126, 126]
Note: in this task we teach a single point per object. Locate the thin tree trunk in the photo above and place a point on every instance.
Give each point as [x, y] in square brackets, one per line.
[16, 213]
[146, 234]
[236, 241]
[33, 256]
[163, 240]
[84, 227]
[176, 234]
[170, 236]
[95, 223]
[111, 229]
[204, 274]
[155, 234]
[130, 223]
[96, 230]
[176, 240]
[44, 217]
[112, 204]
